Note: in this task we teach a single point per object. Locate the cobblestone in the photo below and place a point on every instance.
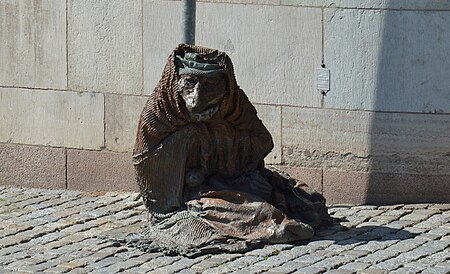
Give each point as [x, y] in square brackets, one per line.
[355, 266]
[54, 231]
[310, 270]
[212, 262]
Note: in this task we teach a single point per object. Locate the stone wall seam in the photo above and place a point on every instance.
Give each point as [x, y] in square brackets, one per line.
[281, 135]
[53, 118]
[323, 38]
[65, 168]
[406, 5]
[321, 181]
[104, 123]
[55, 146]
[142, 48]
[30, 145]
[258, 103]
[389, 9]
[61, 147]
[71, 90]
[67, 49]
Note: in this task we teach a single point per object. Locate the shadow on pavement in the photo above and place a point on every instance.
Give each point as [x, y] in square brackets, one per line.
[342, 234]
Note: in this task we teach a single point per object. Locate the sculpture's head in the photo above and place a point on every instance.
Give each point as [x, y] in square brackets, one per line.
[197, 85]
[202, 84]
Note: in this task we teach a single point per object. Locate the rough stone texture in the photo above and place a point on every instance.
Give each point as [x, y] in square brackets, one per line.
[363, 141]
[157, 44]
[51, 118]
[265, 70]
[310, 176]
[345, 187]
[377, 188]
[100, 171]
[253, 2]
[105, 46]
[33, 47]
[271, 118]
[373, 4]
[322, 130]
[390, 62]
[122, 115]
[30, 166]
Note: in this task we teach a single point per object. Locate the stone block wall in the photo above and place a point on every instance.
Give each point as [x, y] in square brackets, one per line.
[75, 74]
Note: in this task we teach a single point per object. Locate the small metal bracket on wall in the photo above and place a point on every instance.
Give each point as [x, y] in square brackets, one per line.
[323, 80]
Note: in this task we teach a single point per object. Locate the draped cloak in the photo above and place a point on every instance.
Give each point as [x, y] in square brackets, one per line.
[240, 198]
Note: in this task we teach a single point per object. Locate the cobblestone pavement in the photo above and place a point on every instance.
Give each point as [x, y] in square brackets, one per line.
[56, 231]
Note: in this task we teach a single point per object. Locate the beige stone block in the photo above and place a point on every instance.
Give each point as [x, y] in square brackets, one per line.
[408, 133]
[270, 70]
[32, 166]
[121, 118]
[363, 141]
[387, 60]
[105, 46]
[112, 171]
[246, 2]
[33, 44]
[51, 118]
[326, 130]
[275, 49]
[162, 33]
[271, 118]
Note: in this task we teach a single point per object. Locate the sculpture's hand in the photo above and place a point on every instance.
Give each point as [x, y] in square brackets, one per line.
[194, 178]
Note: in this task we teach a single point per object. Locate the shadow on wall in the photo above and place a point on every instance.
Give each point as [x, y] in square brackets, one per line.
[410, 128]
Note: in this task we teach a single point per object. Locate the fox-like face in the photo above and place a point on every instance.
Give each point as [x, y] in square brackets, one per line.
[202, 94]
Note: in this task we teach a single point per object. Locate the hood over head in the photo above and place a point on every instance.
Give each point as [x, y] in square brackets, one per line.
[168, 110]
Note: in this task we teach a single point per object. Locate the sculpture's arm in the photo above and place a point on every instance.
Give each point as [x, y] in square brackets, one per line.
[155, 124]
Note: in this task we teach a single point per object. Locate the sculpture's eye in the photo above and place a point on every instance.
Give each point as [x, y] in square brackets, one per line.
[191, 82]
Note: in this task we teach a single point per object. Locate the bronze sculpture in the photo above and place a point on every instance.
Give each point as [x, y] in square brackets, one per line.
[199, 164]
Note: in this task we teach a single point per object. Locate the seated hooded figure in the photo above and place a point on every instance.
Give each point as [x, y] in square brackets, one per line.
[199, 164]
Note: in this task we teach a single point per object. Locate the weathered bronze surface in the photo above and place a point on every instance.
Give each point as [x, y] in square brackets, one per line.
[199, 164]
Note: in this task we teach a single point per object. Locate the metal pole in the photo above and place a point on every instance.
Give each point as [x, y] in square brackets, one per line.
[188, 21]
